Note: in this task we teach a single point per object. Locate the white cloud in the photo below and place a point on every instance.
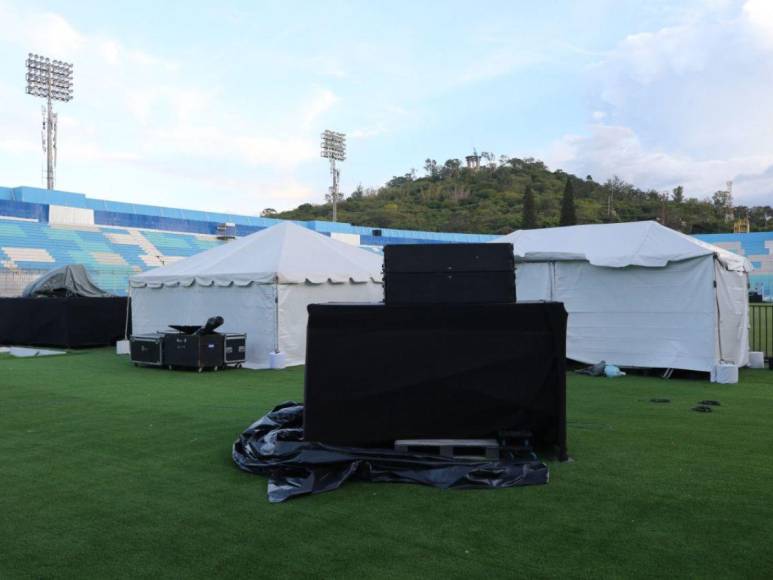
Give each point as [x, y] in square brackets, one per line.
[759, 16]
[321, 102]
[614, 150]
[688, 105]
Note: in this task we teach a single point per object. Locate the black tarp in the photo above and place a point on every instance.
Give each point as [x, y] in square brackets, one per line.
[274, 446]
[67, 281]
[62, 322]
[434, 371]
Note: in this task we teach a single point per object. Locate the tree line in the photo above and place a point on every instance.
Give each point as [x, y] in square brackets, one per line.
[505, 194]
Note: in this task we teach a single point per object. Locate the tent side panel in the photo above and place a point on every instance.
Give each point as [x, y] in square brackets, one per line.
[244, 309]
[733, 300]
[293, 313]
[533, 281]
[637, 316]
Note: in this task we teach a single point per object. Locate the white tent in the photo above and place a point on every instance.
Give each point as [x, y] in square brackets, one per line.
[260, 284]
[638, 294]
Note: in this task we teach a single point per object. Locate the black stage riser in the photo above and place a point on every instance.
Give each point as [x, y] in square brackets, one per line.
[427, 371]
[62, 322]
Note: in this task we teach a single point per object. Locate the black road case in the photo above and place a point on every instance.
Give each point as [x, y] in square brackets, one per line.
[449, 273]
[147, 349]
[193, 351]
[235, 348]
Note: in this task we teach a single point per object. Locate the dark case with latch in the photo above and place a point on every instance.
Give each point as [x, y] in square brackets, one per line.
[193, 351]
[235, 348]
[147, 349]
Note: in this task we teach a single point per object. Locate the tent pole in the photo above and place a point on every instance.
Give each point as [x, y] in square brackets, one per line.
[276, 314]
[128, 310]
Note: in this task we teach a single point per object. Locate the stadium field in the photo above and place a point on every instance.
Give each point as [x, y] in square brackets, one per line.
[111, 471]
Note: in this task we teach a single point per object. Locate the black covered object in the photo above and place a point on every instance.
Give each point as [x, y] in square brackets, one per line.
[275, 446]
[449, 273]
[435, 370]
[67, 281]
[62, 322]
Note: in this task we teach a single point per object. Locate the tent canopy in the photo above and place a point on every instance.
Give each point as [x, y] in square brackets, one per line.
[646, 244]
[285, 253]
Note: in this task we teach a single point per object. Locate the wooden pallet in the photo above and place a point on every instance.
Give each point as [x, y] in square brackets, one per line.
[473, 449]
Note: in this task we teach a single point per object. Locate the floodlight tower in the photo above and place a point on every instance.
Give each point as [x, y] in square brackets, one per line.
[52, 80]
[334, 148]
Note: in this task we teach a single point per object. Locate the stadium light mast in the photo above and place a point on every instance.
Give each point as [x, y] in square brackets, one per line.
[334, 148]
[52, 80]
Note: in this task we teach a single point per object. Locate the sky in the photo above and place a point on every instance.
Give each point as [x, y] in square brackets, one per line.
[219, 106]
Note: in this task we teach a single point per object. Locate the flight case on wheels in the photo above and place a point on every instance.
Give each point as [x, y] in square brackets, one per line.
[193, 350]
[235, 349]
[147, 349]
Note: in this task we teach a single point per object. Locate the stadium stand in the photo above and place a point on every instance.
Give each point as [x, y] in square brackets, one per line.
[758, 247]
[42, 229]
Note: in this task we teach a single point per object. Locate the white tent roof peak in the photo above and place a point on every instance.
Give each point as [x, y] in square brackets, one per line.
[286, 253]
[647, 244]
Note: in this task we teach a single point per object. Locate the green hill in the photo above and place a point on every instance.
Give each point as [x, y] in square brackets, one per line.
[490, 200]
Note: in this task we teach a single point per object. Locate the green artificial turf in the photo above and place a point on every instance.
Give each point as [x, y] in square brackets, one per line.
[111, 471]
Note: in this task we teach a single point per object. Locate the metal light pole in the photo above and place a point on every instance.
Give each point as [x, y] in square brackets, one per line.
[334, 148]
[52, 80]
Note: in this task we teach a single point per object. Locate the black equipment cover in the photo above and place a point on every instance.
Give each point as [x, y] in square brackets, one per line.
[449, 273]
[67, 281]
[275, 446]
[63, 322]
[435, 371]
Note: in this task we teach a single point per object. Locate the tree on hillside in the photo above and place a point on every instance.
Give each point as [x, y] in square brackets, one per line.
[529, 219]
[678, 194]
[568, 212]
[268, 212]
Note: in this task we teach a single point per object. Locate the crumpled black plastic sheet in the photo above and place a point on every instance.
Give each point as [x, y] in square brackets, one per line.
[274, 446]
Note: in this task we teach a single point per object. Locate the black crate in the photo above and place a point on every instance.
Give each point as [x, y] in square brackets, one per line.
[193, 351]
[147, 349]
[235, 348]
[449, 273]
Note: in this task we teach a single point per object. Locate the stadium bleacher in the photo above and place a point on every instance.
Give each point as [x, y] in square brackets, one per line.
[44, 229]
[758, 248]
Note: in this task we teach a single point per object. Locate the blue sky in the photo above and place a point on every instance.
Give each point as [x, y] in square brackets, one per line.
[220, 105]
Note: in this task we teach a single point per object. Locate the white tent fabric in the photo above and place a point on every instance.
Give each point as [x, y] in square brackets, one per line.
[638, 294]
[261, 285]
[647, 244]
